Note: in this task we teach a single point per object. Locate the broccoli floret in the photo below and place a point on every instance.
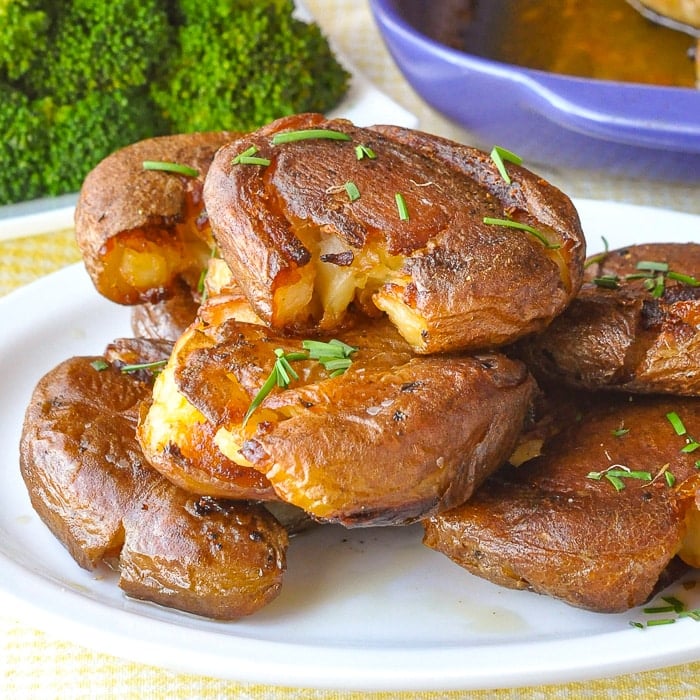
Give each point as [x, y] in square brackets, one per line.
[24, 35]
[23, 147]
[102, 46]
[83, 133]
[82, 78]
[242, 63]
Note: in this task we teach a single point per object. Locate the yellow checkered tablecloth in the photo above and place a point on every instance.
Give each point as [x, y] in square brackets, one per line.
[34, 664]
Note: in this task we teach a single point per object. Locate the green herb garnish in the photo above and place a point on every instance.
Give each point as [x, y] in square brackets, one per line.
[685, 279]
[676, 422]
[607, 282]
[100, 365]
[499, 156]
[304, 134]
[244, 159]
[281, 376]
[154, 366]
[401, 206]
[616, 473]
[334, 355]
[362, 151]
[170, 167]
[352, 191]
[522, 227]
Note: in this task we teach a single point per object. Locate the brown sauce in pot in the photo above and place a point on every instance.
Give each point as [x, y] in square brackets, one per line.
[603, 39]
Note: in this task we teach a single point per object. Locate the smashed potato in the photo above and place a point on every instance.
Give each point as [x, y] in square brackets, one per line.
[91, 485]
[384, 219]
[597, 518]
[633, 326]
[140, 231]
[393, 438]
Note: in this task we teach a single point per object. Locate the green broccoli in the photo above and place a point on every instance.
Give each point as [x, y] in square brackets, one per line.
[242, 63]
[24, 29]
[83, 133]
[102, 46]
[23, 147]
[82, 78]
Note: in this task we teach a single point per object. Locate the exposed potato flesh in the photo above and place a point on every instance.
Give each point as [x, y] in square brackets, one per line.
[548, 526]
[393, 438]
[307, 255]
[140, 231]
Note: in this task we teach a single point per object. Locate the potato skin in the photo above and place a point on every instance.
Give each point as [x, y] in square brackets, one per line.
[626, 338]
[166, 319]
[392, 439]
[548, 527]
[89, 482]
[219, 559]
[123, 207]
[468, 285]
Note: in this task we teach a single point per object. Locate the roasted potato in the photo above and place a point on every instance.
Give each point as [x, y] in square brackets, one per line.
[596, 520]
[628, 328]
[392, 220]
[167, 319]
[393, 438]
[139, 230]
[90, 483]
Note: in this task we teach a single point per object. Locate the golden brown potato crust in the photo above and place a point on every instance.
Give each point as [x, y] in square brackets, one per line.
[305, 250]
[395, 437]
[89, 482]
[549, 527]
[168, 318]
[628, 337]
[139, 230]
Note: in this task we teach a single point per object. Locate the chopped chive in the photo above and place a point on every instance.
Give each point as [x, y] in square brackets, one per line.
[661, 621]
[499, 155]
[676, 422]
[156, 365]
[265, 389]
[618, 483]
[250, 151]
[401, 206]
[333, 348]
[304, 134]
[522, 227]
[353, 192]
[362, 151]
[607, 282]
[619, 432]
[690, 447]
[253, 160]
[678, 605]
[685, 279]
[638, 625]
[652, 266]
[168, 167]
[100, 365]
[693, 614]
[629, 474]
[656, 609]
[333, 355]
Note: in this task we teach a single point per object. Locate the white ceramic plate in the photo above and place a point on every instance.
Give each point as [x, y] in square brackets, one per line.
[367, 609]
